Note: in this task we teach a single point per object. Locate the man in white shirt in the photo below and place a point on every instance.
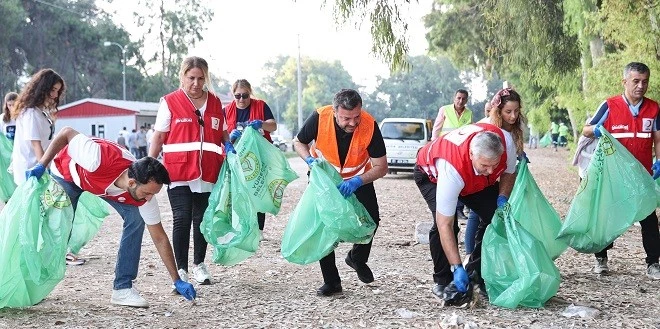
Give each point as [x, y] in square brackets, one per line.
[109, 171]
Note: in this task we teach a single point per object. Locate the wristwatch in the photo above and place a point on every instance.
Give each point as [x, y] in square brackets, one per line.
[455, 266]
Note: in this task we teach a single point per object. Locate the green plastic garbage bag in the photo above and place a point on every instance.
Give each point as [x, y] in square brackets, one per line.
[546, 140]
[515, 266]
[7, 185]
[90, 213]
[316, 227]
[34, 229]
[266, 170]
[531, 209]
[230, 220]
[616, 192]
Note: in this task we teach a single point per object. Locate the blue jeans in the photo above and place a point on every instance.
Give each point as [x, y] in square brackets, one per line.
[471, 231]
[128, 256]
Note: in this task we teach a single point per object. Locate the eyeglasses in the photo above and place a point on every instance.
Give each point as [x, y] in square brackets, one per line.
[199, 118]
[243, 96]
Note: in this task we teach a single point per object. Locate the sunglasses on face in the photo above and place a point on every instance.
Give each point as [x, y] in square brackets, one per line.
[199, 118]
[243, 96]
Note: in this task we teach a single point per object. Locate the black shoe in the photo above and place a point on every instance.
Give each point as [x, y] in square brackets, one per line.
[363, 271]
[438, 290]
[328, 289]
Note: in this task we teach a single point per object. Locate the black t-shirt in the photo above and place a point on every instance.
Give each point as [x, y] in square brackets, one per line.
[309, 130]
[243, 115]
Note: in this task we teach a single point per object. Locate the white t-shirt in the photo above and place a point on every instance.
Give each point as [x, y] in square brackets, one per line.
[450, 183]
[162, 124]
[31, 125]
[87, 153]
[7, 127]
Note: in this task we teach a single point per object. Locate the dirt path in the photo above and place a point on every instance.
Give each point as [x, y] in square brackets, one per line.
[267, 291]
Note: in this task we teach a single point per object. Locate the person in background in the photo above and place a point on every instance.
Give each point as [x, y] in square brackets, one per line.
[563, 134]
[149, 135]
[132, 141]
[554, 132]
[634, 121]
[190, 130]
[349, 139]
[450, 117]
[106, 170]
[7, 124]
[533, 137]
[142, 143]
[246, 111]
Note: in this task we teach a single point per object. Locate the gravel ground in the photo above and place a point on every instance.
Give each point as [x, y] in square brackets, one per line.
[266, 291]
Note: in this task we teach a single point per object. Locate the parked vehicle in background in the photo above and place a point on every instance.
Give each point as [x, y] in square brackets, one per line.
[279, 142]
[403, 138]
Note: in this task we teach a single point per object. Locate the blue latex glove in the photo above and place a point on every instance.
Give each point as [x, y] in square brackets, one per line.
[310, 160]
[36, 171]
[185, 289]
[461, 279]
[235, 134]
[9, 136]
[256, 124]
[501, 200]
[522, 156]
[656, 169]
[229, 147]
[348, 187]
[597, 133]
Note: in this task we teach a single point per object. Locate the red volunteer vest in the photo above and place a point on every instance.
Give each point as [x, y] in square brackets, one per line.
[454, 147]
[256, 113]
[186, 145]
[635, 133]
[114, 161]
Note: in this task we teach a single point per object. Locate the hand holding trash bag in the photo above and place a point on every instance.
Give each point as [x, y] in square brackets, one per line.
[256, 124]
[36, 171]
[229, 147]
[501, 200]
[656, 169]
[597, 133]
[310, 160]
[349, 186]
[461, 278]
[185, 289]
[235, 134]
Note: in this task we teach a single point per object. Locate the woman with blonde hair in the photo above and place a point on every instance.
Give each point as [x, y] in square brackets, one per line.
[190, 128]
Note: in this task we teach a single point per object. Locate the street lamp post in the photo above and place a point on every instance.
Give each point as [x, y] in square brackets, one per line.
[123, 70]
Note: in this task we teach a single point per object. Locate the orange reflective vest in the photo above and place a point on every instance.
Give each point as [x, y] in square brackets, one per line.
[325, 147]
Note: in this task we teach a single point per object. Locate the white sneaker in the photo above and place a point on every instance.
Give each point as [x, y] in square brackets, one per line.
[653, 271]
[601, 265]
[201, 274]
[128, 297]
[184, 277]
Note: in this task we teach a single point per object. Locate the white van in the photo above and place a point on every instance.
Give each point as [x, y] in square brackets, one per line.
[403, 138]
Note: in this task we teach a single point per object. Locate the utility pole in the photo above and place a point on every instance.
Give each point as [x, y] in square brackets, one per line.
[300, 116]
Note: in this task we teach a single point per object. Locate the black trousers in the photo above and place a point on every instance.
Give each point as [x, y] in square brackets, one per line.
[261, 219]
[650, 239]
[483, 203]
[366, 194]
[187, 208]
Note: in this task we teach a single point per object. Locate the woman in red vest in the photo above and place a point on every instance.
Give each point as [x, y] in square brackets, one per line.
[246, 111]
[190, 129]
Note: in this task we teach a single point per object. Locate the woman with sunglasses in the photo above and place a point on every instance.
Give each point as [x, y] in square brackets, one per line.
[190, 129]
[246, 111]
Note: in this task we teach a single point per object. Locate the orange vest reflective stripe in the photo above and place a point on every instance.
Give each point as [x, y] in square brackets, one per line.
[325, 147]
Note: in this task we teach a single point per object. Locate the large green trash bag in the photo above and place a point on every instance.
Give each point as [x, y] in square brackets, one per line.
[90, 213]
[230, 220]
[515, 266]
[34, 229]
[323, 218]
[534, 213]
[267, 171]
[7, 185]
[616, 192]
[546, 140]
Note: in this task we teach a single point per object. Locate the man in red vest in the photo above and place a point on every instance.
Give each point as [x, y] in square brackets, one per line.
[349, 139]
[633, 120]
[464, 165]
[109, 171]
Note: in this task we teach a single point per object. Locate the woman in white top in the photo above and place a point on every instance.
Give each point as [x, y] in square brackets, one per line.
[34, 124]
[7, 125]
